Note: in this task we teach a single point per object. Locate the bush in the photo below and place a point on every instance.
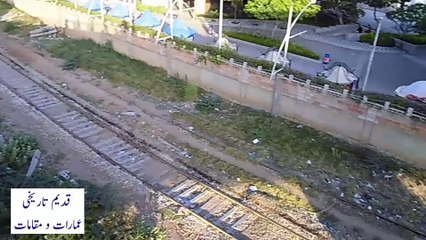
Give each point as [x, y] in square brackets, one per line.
[413, 39]
[270, 42]
[18, 151]
[385, 39]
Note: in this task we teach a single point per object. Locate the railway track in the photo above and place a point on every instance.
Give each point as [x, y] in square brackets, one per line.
[144, 162]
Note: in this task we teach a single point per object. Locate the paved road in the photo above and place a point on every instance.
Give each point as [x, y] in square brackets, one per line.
[389, 70]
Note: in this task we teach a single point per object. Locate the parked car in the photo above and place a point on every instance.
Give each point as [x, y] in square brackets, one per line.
[415, 91]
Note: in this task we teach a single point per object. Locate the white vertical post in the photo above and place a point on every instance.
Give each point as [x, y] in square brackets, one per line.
[370, 60]
[220, 22]
[284, 42]
[171, 18]
[102, 10]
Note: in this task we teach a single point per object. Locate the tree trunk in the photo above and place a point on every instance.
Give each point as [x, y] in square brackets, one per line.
[235, 11]
[340, 17]
[375, 14]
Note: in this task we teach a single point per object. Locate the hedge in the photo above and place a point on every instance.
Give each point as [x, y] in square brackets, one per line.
[385, 39]
[270, 42]
[414, 39]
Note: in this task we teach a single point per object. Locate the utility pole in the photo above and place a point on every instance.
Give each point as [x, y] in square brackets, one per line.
[370, 60]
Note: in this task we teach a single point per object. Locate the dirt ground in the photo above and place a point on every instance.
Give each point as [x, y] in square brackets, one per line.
[153, 123]
[60, 151]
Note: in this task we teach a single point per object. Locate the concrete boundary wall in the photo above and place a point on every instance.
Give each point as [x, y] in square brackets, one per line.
[396, 133]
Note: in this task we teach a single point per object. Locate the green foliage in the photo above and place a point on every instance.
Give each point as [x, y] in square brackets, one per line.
[385, 39]
[414, 39]
[154, 9]
[102, 219]
[342, 7]
[278, 9]
[10, 27]
[122, 70]
[421, 26]
[270, 42]
[211, 14]
[18, 151]
[407, 18]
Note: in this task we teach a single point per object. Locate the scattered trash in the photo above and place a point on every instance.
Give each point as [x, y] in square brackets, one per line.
[388, 177]
[342, 195]
[64, 85]
[238, 180]
[44, 31]
[299, 126]
[185, 154]
[190, 128]
[309, 162]
[369, 208]
[216, 109]
[253, 188]
[130, 114]
[398, 216]
[252, 155]
[369, 185]
[66, 175]
[380, 212]
[255, 141]
[358, 199]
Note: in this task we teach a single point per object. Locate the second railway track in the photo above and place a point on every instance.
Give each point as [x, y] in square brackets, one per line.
[134, 156]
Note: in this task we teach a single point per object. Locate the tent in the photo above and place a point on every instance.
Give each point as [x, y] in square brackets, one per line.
[119, 11]
[416, 90]
[339, 73]
[93, 5]
[179, 30]
[147, 19]
[273, 55]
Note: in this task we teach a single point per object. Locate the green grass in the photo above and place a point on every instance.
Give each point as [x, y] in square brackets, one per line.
[210, 165]
[118, 68]
[19, 23]
[154, 9]
[287, 147]
[270, 42]
[385, 39]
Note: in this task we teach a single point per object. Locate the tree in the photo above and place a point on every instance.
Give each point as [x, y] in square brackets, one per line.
[408, 18]
[421, 26]
[342, 8]
[278, 9]
[375, 4]
[236, 4]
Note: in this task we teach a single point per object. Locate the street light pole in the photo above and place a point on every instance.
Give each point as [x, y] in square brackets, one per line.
[220, 23]
[370, 60]
[285, 43]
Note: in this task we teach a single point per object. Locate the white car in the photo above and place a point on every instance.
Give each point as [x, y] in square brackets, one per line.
[414, 91]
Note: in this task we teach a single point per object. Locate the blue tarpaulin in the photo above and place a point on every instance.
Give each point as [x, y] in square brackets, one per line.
[179, 30]
[147, 20]
[93, 5]
[119, 11]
